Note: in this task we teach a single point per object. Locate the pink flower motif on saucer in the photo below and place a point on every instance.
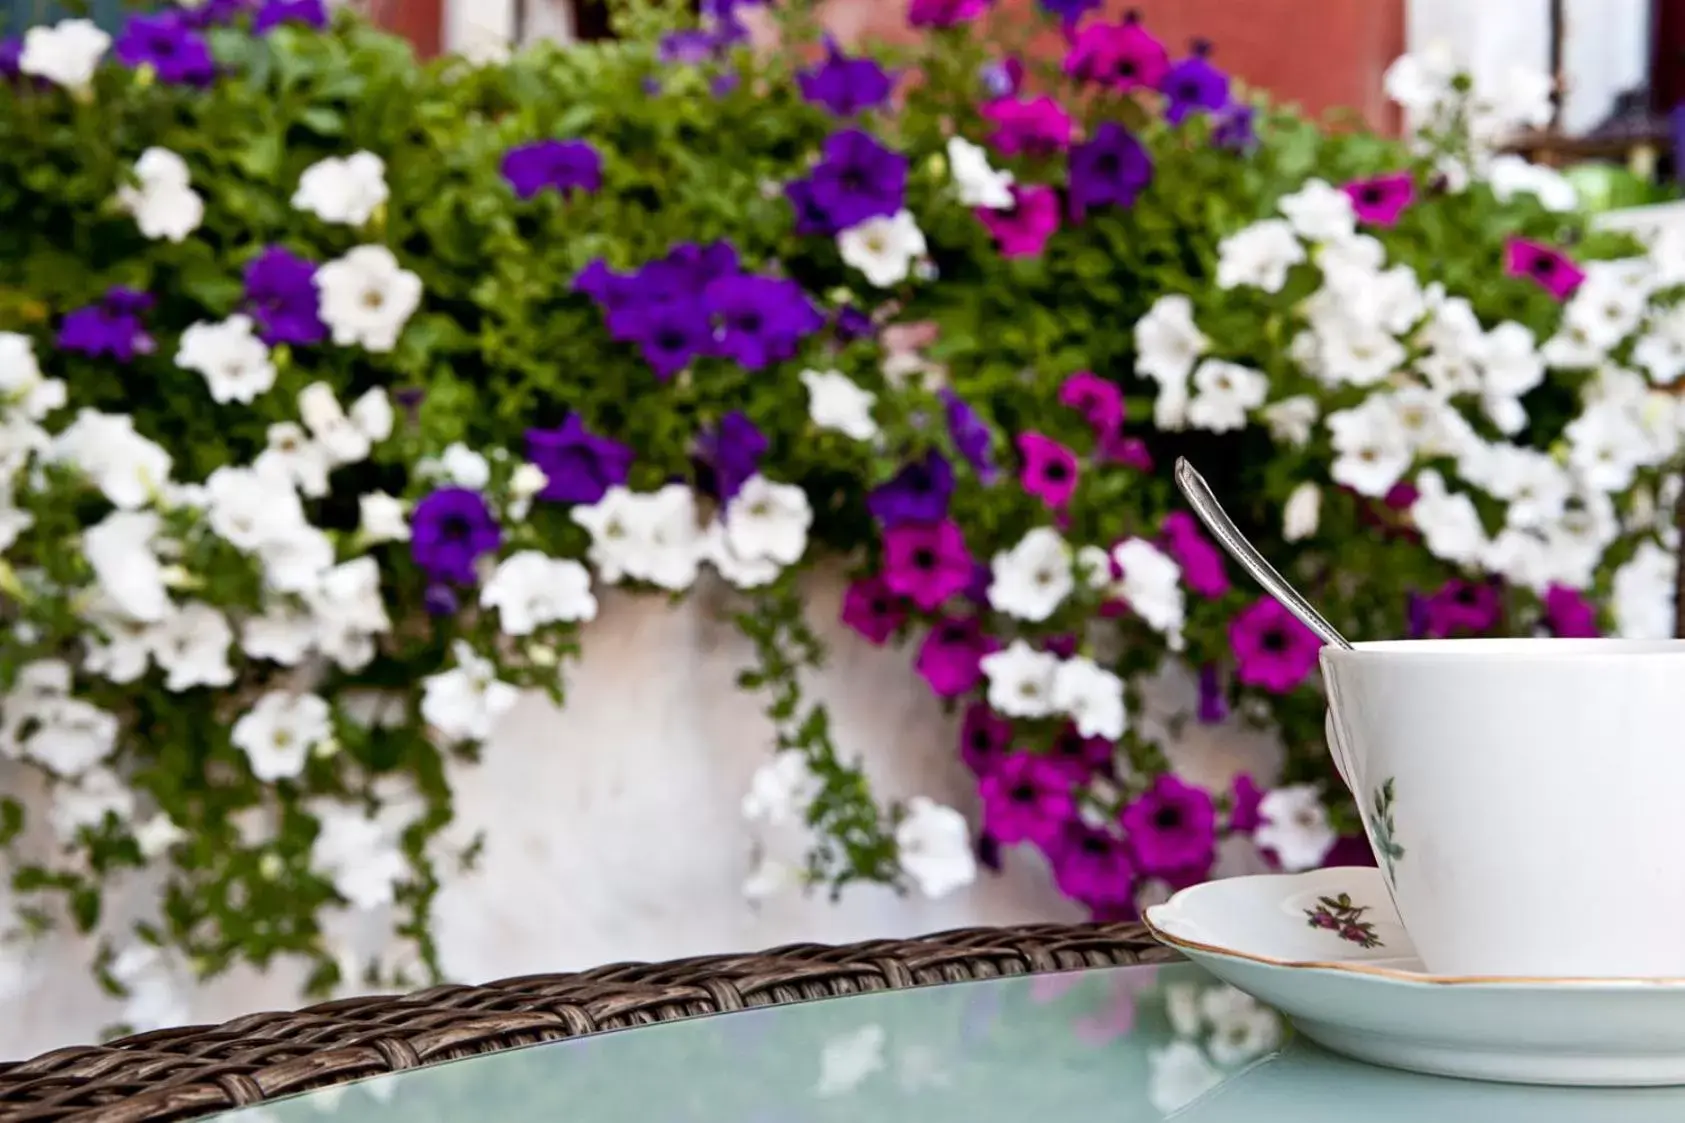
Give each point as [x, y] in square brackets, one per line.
[1340, 916]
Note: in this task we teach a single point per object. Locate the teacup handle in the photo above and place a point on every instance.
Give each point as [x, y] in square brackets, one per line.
[1343, 762]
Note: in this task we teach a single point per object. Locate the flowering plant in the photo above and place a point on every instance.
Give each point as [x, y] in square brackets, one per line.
[332, 384]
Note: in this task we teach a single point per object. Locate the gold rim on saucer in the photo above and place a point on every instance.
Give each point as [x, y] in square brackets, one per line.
[1394, 973]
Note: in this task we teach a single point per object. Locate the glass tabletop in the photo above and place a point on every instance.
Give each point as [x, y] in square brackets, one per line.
[1127, 1045]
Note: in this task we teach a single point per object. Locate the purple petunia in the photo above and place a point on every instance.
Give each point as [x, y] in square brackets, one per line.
[168, 44]
[850, 323]
[282, 298]
[217, 13]
[985, 738]
[870, 608]
[690, 46]
[846, 86]
[971, 436]
[1069, 11]
[687, 270]
[760, 320]
[1271, 648]
[579, 466]
[856, 179]
[919, 492]
[1093, 867]
[1213, 701]
[449, 529]
[1194, 85]
[1002, 77]
[440, 600]
[731, 451]
[1245, 796]
[1111, 168]
[1172, 827]
[1235, 128]
[1026, 798]
[564, 166]
[1550, 269]
[951, 656]
[670, 335]
[11, 57]
[926, 562]
[309, 13]
[111, 328]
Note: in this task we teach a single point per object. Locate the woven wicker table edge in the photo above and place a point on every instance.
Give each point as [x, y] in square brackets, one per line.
[194, 1071]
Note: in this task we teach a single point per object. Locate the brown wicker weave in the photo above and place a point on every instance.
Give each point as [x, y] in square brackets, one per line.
[199, 1070]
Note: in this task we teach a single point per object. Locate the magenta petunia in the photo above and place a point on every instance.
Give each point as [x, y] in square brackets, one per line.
[1402, 496]
[1552, 270]
[944, 13]
[1037, 126]
[951, 656]
[1050, 469]
[1381, 200]
[1245, 795]
[1026, 799]
[1081, 757]
[985, 738]
[872, 610]
[1131, 452]
[1172, 827]
[1023, 229]
[1098, 400]
[1119, 56]
[1461, 608]
[1093, 867]
[1199, 557]
[1569, 614]
[1271, 648]
[926, 562]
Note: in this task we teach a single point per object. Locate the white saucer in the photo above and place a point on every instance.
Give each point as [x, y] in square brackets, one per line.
[1326, 949]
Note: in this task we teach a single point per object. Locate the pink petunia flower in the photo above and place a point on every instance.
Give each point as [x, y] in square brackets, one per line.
[1552, 270]
[1381, 200]
[1038, 126]
[926, 562]
[1099, 400]
[951, 656]
[872, 610]
[1023, 229]
[1271, 648]
[1050, 469]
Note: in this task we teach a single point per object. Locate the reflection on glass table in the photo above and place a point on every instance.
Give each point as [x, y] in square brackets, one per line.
[1124, 1044]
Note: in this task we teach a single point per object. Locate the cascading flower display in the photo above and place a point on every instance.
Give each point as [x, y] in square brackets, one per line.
[323, 420]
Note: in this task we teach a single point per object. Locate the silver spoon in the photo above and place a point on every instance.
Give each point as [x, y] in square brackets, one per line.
[1222, 528]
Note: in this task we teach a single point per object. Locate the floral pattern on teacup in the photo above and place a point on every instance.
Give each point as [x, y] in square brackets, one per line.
[1339, 915]
[1382, 830]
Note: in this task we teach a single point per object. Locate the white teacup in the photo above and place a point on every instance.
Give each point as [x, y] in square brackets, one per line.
[1526, 798]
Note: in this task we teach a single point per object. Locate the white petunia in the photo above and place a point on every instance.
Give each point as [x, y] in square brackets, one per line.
[292, 455]
[66, 54]
[1643, 594]
[191, 645]
[1609, 306]
[86, 803]
[232, 359]
[280, 731]
[24, 391]
[1510, 366]
[1167, 342]
[158, 836]
[1319, 212]
[70, 736]
[382, 518]
[1431, 425]
[1661, 349]
[14, 520]
[465, 702]
[768, 520]
[647, 537]
[349, 612]
[1152, 586]
[296, 562]
[358, 854]
[1531, 482]
[281, 635]
[117, 647]
[934, 847]
[457, 464]
[1091, 696]
[741, 572]
[1302, 512]
[1450, 524]
[1021, 680]
[781, 789]
[530, 590]
[1033, 578]
[367, 298]
[1372, 449]
[1224, 391]
[1421, 82]
[1606, 447]
[126, 466]
[121, 549]
[162, 200]
[1178, 1074]
[1516, 97]
[346, 438]
[1295, 826]
[252, 509]
[1509, 175]
[344, 190]
[835, 402]
[883, 248]
[1292, 420]
[976, 183]
[1356, 354]
[1242, 1028]
[1260, 256]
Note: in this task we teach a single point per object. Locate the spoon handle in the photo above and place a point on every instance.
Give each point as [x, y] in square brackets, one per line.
[1222, 528]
